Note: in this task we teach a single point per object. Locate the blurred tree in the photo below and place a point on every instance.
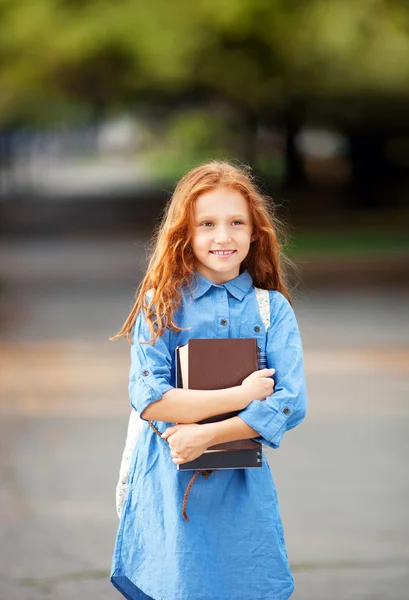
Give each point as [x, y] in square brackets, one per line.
[270, 59]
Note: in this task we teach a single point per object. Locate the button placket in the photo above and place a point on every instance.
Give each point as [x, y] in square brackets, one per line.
[222, 313]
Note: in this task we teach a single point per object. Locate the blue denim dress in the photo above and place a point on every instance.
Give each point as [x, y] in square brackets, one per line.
[233, 544]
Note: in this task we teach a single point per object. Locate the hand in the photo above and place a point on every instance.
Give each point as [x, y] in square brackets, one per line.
[260, 384]
[187, 441]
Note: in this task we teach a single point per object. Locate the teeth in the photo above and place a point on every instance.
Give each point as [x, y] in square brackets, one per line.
[223, 252]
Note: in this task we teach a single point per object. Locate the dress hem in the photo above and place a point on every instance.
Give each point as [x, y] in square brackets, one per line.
[283, 596]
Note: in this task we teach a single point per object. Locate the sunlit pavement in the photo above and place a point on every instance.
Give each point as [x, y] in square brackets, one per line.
[341, 476]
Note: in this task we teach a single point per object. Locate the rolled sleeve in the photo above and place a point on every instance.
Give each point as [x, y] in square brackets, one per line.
[286, 407]
[151, 364]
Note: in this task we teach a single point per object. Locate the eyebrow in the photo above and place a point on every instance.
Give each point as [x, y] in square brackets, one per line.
[205, 216]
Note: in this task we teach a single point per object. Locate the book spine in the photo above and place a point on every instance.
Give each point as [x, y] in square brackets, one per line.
[262, 359]
[239, 459]
[259, 456]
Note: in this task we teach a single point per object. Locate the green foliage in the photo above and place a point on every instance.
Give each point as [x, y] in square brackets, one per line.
[190, 138]
[257, 54]
[194, 131]
[349, 244]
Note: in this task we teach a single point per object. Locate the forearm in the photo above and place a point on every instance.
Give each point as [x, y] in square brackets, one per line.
[229, 430]
[190, 406]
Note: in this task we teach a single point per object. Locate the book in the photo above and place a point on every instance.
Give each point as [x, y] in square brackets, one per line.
[213, 364]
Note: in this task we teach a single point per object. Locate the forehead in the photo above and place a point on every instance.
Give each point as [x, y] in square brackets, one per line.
[221, 202]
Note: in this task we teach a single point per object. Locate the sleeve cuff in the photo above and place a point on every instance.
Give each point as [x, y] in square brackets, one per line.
[270, 426]
[147, 389]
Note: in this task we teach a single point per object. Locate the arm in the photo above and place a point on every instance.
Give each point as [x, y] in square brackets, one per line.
[191, 406]
[286, 407]
[229, 430]
[154, 398]
[190, 440]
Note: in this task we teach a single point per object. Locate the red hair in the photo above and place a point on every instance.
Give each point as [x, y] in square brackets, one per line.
[172, 263]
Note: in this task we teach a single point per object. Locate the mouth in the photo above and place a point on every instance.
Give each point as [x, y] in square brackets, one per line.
[223, 253]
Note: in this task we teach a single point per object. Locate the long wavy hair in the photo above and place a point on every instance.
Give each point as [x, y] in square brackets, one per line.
[172, 263]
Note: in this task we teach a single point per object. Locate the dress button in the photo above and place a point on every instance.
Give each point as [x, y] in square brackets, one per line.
[145, 373]
[286, 411]
[223, 322]
[256, 328]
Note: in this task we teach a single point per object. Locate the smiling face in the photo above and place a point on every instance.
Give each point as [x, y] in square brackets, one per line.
[222, 231]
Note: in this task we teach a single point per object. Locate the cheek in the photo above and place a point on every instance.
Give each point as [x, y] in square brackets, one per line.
[244, 239]
[199, 242]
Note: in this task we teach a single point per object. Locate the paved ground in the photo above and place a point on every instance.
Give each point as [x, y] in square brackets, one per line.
[341, 476]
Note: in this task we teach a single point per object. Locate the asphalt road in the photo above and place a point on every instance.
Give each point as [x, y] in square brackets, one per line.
[341, 476]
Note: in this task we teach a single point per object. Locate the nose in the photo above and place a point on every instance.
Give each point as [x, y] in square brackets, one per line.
[222, 235]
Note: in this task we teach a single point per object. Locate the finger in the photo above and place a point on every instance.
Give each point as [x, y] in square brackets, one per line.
[266, 372]
[168, 432]
[171, 430]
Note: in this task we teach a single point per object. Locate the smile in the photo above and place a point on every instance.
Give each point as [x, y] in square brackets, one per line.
[222, 253]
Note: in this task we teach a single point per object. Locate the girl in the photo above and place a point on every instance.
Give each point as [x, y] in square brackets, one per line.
[216, 243]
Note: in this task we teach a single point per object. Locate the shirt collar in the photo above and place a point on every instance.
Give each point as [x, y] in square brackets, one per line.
[238, 287]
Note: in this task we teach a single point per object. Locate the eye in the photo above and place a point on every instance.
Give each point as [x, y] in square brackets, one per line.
[206, 224]
[238, 222]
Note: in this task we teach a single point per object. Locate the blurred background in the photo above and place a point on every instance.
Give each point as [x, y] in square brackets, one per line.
[103, 106]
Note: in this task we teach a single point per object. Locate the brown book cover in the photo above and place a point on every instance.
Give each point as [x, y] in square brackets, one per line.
[214, 364]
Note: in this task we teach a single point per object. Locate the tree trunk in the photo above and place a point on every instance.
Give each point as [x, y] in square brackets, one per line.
[370, 168]
[250, 138]
[293, 121]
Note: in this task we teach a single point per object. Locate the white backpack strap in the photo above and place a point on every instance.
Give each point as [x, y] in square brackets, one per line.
[263, 301]
[134, 429]
[135, 425]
